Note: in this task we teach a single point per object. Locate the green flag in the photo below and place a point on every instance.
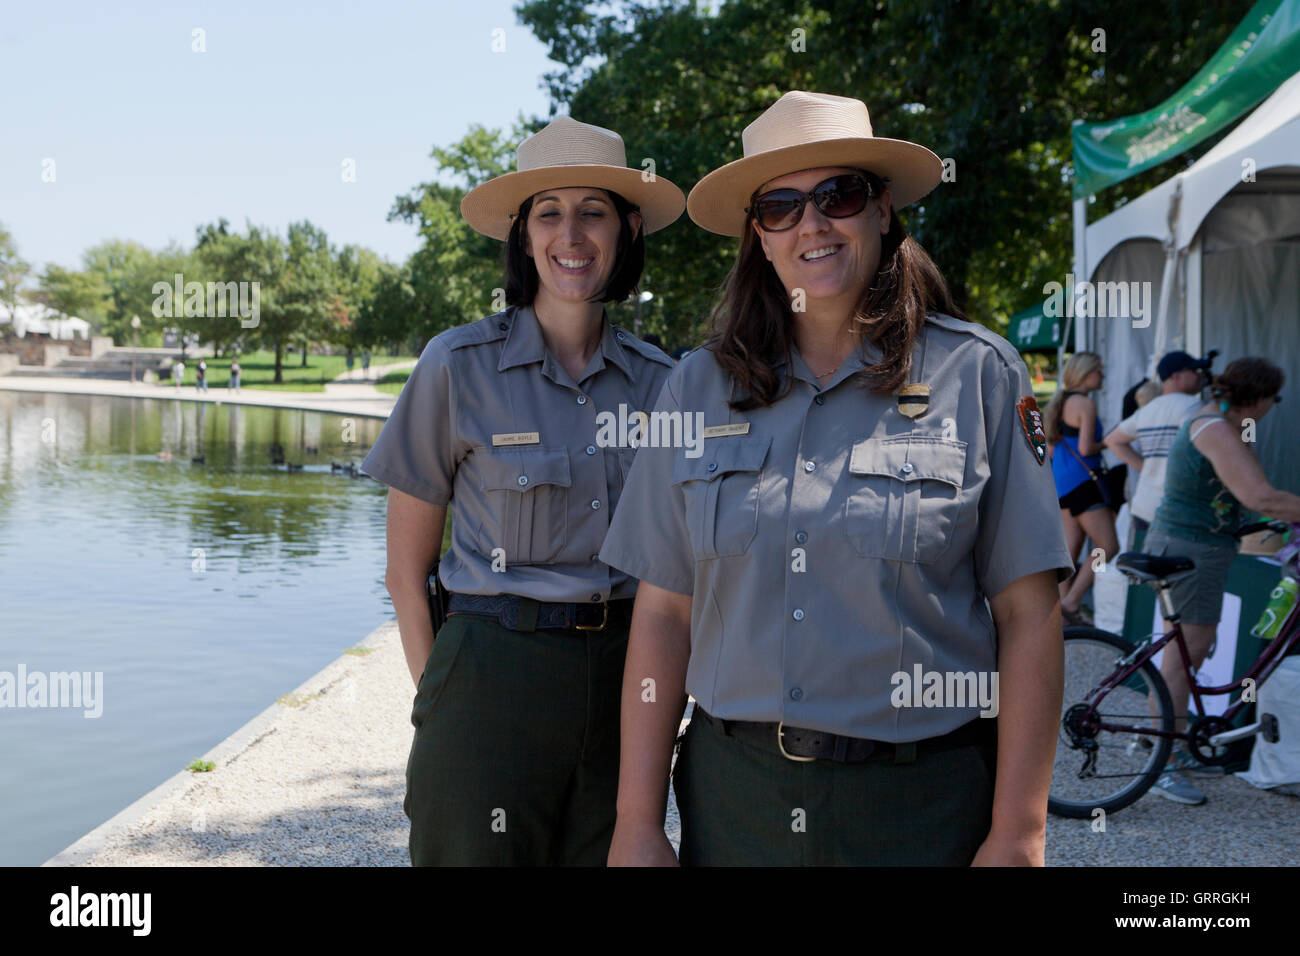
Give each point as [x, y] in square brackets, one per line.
[1262, 52]
[1030, 330]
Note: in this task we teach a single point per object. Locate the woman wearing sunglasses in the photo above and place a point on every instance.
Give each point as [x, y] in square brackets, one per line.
[515, 754]
[872, 472]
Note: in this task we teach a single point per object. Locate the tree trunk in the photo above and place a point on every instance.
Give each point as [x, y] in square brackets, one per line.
[279, 362]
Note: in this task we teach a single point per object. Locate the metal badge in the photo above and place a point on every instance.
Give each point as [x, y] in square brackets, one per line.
[914, 400]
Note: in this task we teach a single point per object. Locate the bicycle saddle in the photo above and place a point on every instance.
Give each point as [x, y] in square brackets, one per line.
[1154, 567]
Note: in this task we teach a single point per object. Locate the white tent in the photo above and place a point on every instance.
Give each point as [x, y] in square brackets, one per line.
[39, 318]
[1220, 245]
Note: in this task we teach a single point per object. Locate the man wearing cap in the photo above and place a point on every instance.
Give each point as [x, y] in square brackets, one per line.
[515, 754]
[1153, 427]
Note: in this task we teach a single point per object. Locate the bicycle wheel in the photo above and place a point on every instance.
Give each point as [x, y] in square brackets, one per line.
[1104, 769]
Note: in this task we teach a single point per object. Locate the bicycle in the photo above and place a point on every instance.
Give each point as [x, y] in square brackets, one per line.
[1117, 717]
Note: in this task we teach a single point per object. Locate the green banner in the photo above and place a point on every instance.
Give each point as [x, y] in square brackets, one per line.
[1031, 331]
[1262, 52]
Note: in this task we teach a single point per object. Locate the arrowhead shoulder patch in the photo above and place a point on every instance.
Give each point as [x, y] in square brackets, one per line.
[1031, 423]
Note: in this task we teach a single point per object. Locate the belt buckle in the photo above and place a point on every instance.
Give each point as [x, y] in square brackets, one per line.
[604, 620]
[780, 744]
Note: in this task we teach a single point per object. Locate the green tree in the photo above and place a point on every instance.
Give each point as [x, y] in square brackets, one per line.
[454, 275]
[81, 294]
[991, 86]
[13, 273]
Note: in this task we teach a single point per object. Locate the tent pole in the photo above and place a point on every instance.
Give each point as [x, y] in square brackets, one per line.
[1080, 275]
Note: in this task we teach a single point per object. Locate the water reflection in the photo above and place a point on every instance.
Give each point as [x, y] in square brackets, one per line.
[157, 541]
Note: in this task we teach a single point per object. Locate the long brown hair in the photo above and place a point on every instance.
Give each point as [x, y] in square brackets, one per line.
[752, 321]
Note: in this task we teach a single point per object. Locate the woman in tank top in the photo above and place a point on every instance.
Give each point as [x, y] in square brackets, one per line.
[1075, 435]
[1212, 479]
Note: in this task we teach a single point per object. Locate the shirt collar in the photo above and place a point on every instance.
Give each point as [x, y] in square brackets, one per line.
[525, 345]
[864, 356]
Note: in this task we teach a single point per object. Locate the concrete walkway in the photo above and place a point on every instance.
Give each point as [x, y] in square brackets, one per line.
[344, 398]
[374, 373]
[317, 779]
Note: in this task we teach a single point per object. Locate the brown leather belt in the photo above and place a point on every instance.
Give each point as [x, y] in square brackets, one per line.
[800, 744]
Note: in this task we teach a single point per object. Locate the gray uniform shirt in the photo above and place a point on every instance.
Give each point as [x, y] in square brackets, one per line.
[838, 542]
[492, 425]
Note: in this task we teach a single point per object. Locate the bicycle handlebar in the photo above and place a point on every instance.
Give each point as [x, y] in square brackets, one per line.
[1277, 527]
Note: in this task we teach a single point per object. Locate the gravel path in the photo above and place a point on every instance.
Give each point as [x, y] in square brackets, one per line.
[320, 781]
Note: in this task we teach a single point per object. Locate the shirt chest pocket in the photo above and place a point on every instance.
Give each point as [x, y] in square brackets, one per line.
[904, 497]
[526, 503]
[720, 490]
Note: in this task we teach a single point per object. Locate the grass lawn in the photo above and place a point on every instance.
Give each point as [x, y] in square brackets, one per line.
[392, 382]
[258, 370]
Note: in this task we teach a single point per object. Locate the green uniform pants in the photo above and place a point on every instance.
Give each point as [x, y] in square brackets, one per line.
[515, 756]
[745, 805]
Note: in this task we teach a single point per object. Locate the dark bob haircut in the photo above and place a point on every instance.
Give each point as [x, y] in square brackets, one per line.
[629, 258]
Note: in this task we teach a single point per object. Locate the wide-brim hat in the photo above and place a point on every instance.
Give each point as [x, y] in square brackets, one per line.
[804, 131]
[568, 153]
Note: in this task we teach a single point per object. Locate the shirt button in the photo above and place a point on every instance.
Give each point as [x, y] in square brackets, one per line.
[798, 614]
[619, 336]
[523, 479]
[907, 468]
[713, 466]
[809, 466]
[820, 400]
[595, 557]
[796, 693]
[501, 326]
[801, 536]
[595, 598]
[595, 505]
[582, 399]
[591, 449]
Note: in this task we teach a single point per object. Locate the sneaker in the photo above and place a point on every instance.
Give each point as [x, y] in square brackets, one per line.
[1186, 763]
[1172, 786]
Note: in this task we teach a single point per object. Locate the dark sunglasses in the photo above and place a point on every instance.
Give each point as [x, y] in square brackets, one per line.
[839, 197]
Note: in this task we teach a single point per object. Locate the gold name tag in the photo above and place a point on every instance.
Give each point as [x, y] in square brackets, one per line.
[517, 438]
[717, 431]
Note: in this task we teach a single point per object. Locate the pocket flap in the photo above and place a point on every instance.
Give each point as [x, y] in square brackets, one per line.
[521, 469]
[722, 456]
[910, 458]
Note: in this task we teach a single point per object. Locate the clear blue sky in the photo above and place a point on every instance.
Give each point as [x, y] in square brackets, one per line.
[150, 139]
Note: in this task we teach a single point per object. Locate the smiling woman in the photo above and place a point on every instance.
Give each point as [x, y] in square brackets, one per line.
[515, 755]
[871, 503]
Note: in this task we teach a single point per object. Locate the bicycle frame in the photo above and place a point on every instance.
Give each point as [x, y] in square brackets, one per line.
[1267, 662]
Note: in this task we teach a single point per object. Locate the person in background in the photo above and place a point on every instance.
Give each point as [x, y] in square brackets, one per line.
[233, 381]
[1143, 439]
[1074, 434]
[1147, 392]
[202, 374]
[178, 373]
[365, 362]
[1213, 476]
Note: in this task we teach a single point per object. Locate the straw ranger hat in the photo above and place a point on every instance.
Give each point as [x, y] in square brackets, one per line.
[569, 153]
[803, 131]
